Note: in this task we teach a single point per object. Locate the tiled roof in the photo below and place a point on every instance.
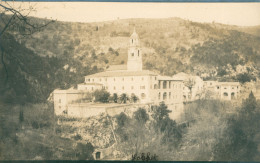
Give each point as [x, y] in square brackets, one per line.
[69, 91]
[123, 73]
[117, 67]
[228, 83]
[167, 78]
[90, 84]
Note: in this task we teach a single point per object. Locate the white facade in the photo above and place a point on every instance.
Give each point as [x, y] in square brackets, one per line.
[223, 90]
[197, 86]
[148, 86]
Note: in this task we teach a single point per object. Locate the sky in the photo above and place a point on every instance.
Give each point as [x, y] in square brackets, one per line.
[241, 14]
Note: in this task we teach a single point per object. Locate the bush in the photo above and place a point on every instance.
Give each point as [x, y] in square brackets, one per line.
[101, 96]
[134, 98]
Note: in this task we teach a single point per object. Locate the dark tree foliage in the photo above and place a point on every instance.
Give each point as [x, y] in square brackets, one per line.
[171, 132]
[134, 98]
[84, 151]
[115, 97]
[124, 98]
[238, 143]
[245, 77]
[122, 119]
[101, 96]
[123, 122]
[141, 116]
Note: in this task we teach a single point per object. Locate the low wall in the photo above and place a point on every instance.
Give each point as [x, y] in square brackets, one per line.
[82, 110]
[85, 110]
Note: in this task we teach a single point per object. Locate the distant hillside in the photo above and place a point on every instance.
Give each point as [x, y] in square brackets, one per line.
[169, 46]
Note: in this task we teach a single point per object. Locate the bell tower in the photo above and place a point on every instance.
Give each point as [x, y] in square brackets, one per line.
[134, 62]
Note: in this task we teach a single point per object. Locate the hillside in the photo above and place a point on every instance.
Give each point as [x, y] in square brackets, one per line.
[62, 53]
[30, 77]
[168, 44]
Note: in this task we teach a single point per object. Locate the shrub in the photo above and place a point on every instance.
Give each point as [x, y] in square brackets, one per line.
[101, 96]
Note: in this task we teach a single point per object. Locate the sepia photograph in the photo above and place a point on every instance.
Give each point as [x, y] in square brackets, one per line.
[137, 81]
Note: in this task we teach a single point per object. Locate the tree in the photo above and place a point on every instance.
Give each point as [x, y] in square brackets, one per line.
[245, 77]
[101, 96]
[124, 98]
[115, 97]
[189, 84]
[134, 98]
[141, 116]
[160, 113]
[17, 20]
[239, 140]
[84, 151]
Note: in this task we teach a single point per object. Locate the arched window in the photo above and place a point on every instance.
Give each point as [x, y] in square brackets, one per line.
[232, 95]
[164, 84]
[155, 86]
[143, 96]
[225, 94]
[164, 96]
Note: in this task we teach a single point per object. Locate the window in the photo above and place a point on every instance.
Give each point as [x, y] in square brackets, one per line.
[89, 80]
[123, 79]
[123, 88]
[232, 87]
[143, 96]
[114, 88]
[155, 86]
[164, 96]
[173, 86]
[217, 87]
[100, 79]
[169, 84]
[142, 78]
[59, 100]
[133, 54]
[142, 87]
[105, 79]
[225, 94]
[138, 53]
[132, 79]
[170, 95]
[93, 80]
[132, 41]
[164, 84]
[225, 87]
[155, 78]
[114, 79]
[92, 88]
[159, 96]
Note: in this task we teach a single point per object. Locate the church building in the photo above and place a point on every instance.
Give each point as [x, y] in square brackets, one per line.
[148, 86]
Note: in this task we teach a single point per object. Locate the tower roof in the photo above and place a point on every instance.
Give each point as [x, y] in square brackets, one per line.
[134, 35]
